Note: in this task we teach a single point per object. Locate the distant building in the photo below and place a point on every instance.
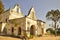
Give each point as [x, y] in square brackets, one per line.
[13, 22]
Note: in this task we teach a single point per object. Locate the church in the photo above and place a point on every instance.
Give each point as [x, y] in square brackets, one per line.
[13, 22]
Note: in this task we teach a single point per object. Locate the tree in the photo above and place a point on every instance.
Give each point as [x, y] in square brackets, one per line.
[1, 7]
[53, 15]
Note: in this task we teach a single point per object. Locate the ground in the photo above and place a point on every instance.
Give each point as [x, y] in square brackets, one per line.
[47, 38]
[35, 38]
[8, 38]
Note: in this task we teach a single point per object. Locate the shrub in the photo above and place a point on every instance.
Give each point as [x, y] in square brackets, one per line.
[39, 35]
[31, 36]
[50, 31]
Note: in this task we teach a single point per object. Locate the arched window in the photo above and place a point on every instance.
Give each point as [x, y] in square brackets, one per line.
[19, 31]
[12, 30]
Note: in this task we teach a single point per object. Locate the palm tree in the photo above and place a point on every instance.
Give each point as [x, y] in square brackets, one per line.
[53, 15]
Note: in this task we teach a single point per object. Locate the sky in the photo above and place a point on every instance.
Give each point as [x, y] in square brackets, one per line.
[41, 6]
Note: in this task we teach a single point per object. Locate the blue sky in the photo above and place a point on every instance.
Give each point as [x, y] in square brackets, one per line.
[41, 6]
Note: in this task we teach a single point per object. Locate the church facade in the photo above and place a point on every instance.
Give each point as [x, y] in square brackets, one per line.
[13, 22]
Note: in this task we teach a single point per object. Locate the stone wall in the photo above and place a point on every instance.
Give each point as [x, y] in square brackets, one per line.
[16, 23]
[29, 24]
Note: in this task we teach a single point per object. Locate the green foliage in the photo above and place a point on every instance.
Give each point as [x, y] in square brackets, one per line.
[1, 7]
[58, 31]
[50, 31]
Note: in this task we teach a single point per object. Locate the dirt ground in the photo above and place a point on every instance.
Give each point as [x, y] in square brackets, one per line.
[47, 38]
[35, 38]
[8, 38]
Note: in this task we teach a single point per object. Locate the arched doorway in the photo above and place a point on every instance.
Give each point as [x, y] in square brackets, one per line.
[32, 30]
[12, 30]
[19, 30]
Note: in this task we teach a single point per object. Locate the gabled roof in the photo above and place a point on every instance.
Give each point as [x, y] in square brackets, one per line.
[41, 21]
[32, 14]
